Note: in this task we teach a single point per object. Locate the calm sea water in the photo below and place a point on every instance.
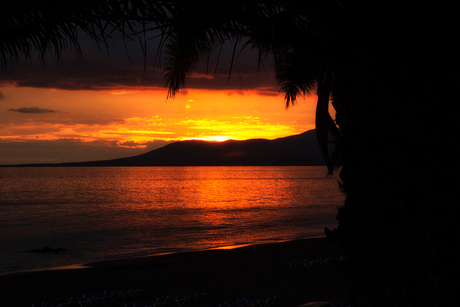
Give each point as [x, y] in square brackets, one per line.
[113, 212]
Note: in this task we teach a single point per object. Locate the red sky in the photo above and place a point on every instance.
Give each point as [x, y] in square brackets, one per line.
[103, 106]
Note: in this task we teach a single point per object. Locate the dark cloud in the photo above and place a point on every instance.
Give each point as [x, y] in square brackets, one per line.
[32, 110]
[74, 75]
[129, 144]
[99, 71]
[2, 96]
[70, 76]
[231, 93]
[268, 92]
[66, 119]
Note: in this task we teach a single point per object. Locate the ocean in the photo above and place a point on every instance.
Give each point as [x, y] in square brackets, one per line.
[102, 213]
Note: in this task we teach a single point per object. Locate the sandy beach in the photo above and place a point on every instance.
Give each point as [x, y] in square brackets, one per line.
[226, 274]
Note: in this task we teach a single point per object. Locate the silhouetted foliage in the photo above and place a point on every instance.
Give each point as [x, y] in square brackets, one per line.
[389, 69]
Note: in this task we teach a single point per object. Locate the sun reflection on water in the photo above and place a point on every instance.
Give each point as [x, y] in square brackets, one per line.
[120, 212]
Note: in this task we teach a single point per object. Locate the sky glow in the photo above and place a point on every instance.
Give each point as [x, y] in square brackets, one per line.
[107, 107]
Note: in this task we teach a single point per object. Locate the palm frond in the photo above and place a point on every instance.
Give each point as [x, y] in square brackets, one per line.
[30, 27]
[184, 50]
[296, 74]
[197, 30]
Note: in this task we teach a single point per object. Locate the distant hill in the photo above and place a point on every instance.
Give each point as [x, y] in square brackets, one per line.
[299, 149]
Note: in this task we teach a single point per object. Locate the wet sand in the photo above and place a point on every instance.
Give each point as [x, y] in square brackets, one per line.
[226, 274]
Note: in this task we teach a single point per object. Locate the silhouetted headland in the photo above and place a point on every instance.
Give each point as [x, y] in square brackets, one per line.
[301, 149]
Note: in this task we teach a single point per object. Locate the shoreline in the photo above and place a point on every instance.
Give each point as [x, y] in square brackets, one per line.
[86, 265]
[260, 270]
[188, 252]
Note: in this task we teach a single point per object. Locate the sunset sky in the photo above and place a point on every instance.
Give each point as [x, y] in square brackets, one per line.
[104, 106]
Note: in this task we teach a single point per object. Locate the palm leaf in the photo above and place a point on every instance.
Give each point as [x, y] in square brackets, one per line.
[296, 74]
[184, 50]
[30, 27]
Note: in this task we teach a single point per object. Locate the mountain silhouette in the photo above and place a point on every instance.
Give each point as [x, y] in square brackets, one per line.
[299, 149]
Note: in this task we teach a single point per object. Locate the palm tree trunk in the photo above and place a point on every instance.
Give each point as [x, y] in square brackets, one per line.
[398, 228]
